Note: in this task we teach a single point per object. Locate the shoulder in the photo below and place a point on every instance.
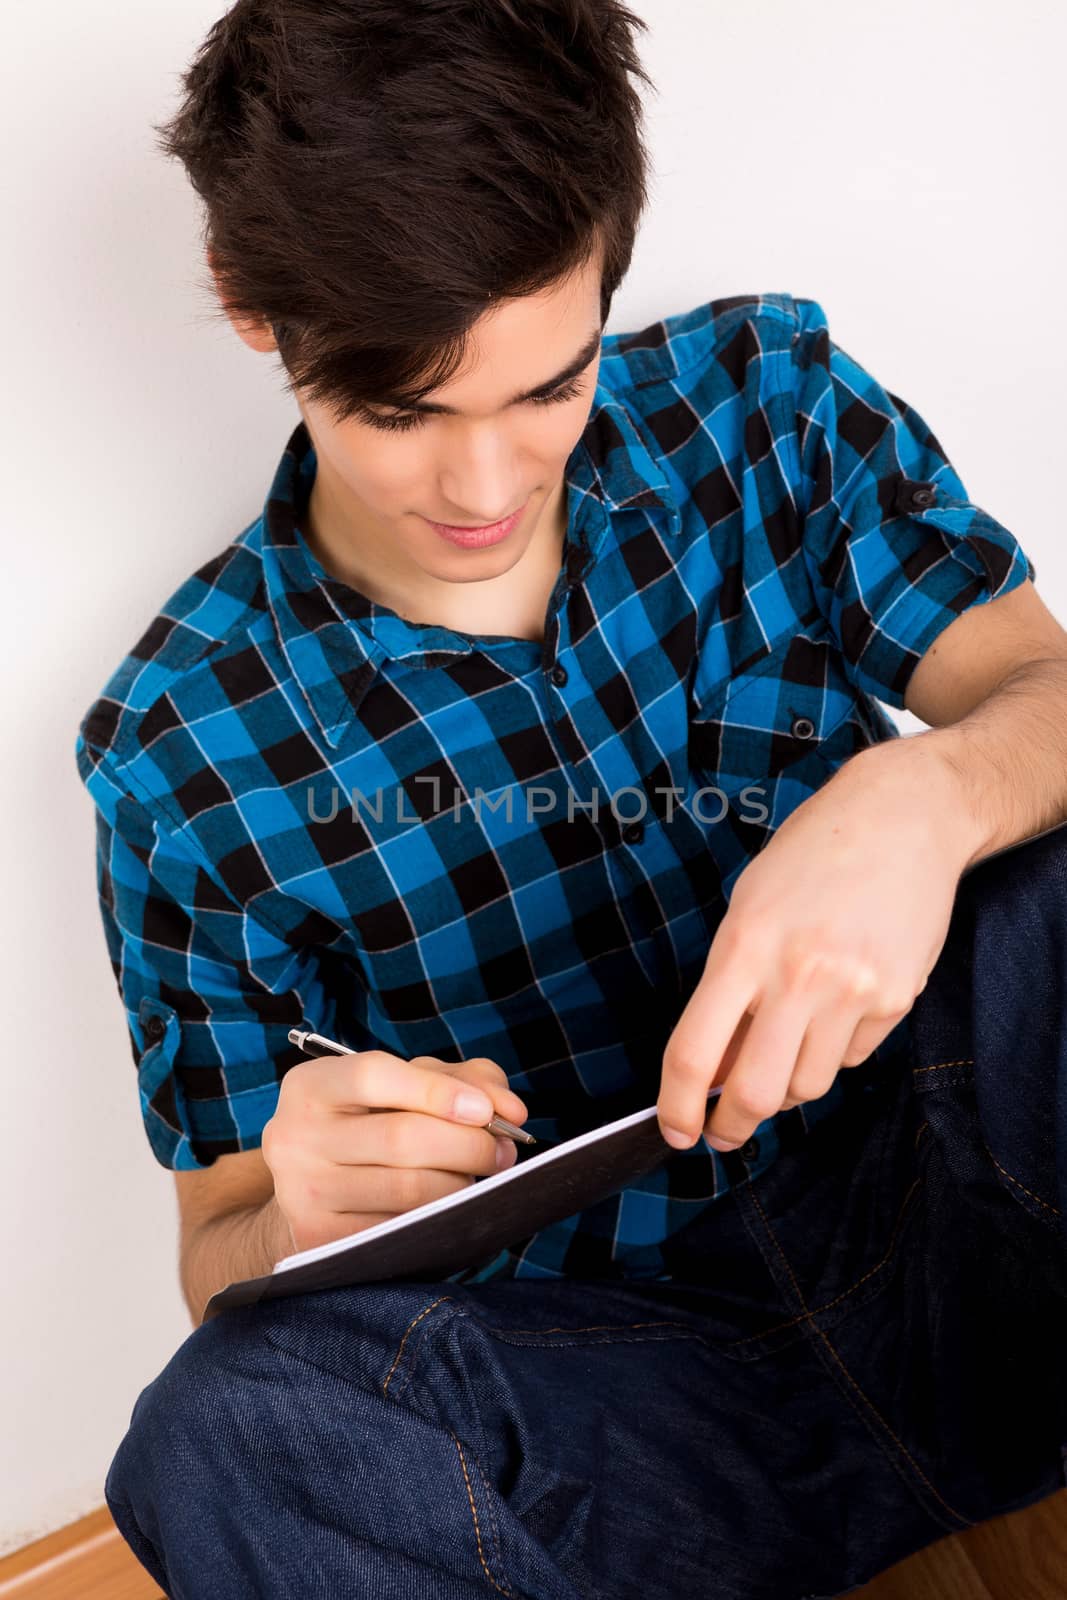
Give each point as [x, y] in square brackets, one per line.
[729, 332]
[209, 614]
[714, 391]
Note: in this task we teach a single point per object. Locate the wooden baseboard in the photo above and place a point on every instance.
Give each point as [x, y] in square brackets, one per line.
[89, 1560]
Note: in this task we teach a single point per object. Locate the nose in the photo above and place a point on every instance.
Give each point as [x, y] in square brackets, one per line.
[481, 476]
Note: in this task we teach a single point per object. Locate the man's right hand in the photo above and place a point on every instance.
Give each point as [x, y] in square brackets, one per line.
[359, 1138]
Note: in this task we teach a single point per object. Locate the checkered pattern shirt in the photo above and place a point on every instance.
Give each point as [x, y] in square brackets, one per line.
[312, 812]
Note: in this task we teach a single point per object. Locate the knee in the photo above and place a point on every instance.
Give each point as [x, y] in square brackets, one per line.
[202, 1404]
[1018, 902]
[1032, 873]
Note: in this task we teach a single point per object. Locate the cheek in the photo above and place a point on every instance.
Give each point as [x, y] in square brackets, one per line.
[387, 480]
[547, 439]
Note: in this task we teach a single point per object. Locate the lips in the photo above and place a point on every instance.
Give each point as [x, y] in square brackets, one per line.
[477, 538]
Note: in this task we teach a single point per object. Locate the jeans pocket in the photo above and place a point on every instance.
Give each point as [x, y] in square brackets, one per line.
[833, 1215]
[566, 1403]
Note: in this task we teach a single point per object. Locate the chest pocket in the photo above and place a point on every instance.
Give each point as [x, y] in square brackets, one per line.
[769, 737]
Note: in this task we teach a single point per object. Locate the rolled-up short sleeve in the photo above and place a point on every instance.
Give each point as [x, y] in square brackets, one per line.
[894, 546]
[209, 992]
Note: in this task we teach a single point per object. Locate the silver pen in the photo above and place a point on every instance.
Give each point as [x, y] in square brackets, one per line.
[314, 1044]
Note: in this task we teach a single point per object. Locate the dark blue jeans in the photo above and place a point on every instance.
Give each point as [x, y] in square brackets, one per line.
[862, 1350]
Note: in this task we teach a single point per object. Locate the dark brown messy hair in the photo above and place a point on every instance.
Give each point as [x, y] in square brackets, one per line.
[375, 172]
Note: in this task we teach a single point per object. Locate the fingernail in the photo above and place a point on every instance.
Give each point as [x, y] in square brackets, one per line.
[677, 1138]
[506, 1151]
[472, 1106]
[719, 1144]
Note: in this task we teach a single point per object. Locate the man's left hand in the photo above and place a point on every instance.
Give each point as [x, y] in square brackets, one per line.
[830, 934]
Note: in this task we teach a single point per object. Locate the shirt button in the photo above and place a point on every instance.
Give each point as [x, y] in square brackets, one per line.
[913, 495]
[803, 727]
[749, 1151]
[155, 1028]
[559, 675]
[633, 832]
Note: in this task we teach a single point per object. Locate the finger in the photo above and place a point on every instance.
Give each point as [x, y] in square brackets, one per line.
[378, 1080]
[410, 1139]
[695, 1049]
[486, 1074]
[384, 1190]
[760, 1078]
[823, 1049]
[868, 1036]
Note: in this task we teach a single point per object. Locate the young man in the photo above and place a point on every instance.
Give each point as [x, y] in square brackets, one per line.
[529, 744]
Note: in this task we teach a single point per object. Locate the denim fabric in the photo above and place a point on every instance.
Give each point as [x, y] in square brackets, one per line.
[861, 1351]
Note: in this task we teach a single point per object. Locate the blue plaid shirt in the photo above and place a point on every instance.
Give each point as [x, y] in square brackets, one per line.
[312, 812]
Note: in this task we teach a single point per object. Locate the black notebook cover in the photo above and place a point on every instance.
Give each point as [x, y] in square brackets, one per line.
[474, 1224]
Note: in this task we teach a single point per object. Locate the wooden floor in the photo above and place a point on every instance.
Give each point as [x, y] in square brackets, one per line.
[1019, 1557]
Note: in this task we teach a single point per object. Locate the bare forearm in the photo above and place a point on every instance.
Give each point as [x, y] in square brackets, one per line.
[239, 1244]
[1010, 756]
[1005, 762]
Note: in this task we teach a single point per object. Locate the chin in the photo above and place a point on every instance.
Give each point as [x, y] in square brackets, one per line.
[470, 566]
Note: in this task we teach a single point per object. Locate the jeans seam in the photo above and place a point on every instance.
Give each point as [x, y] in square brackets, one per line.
[968, 1061]
[408, 1330]
[488, 1495]
[817, 1311]
[1005, 1173]
[331, 1372]
[598, 1327]
[474, 1511]
[965, 1521]
[562, 1344]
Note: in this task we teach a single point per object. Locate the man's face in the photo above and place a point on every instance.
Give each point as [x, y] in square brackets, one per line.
[383, 480]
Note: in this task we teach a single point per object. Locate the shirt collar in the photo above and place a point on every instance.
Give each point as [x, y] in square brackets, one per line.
[334, 638]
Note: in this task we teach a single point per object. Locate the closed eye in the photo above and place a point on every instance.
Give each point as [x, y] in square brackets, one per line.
[402, 421]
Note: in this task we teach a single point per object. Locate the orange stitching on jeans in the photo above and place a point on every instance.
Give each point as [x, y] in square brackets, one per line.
[867, 1401]
[899, 1443]
[777, 1246]
[817, 1311]
[964, 1061]
[921, 1130]
[404, 1340]
[489, 1504]
[1046, 1203]
[596, 1327]
[474, 1509]
[690, 1333]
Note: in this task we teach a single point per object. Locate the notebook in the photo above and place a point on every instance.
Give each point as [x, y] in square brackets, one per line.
[470, 1227]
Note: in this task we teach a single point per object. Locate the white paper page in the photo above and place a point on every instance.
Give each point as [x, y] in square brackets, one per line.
[496, 1181]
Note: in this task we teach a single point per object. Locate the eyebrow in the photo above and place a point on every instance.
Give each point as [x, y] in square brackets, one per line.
[571, 370]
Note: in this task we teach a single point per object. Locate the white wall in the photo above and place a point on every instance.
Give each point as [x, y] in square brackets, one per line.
[902, 169]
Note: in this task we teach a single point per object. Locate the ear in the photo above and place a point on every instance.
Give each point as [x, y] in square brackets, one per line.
[253, 331]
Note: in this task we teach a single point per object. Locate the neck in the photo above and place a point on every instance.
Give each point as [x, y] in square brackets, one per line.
[513, 603]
